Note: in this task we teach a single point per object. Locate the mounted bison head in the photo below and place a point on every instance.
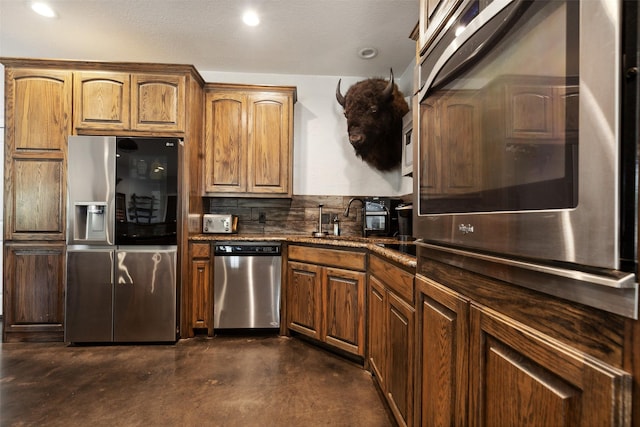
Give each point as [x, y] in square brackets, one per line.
[374, 110]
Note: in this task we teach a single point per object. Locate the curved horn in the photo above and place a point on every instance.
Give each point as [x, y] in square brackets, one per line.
[339, 96]
[388, 91]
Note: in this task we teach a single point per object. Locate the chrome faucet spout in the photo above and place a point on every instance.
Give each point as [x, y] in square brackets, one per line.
[353, 199]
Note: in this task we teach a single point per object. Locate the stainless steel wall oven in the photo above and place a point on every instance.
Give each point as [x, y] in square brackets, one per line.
[526, 155]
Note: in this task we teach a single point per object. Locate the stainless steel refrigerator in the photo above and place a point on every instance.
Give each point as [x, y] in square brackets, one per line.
[121, 239]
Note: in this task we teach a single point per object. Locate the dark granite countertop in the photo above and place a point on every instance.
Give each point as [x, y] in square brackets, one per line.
[373, 244]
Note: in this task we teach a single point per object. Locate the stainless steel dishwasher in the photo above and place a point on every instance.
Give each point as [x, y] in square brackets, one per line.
[246, 283]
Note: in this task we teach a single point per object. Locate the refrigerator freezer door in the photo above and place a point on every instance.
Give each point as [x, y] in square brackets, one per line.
[91, 183]
[89, 295]
[145, 294]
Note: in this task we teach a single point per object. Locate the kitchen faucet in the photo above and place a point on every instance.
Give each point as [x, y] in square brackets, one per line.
[346, 211]
[353, 199]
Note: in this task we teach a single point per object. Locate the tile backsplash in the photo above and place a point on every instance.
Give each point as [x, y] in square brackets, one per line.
[298, 215]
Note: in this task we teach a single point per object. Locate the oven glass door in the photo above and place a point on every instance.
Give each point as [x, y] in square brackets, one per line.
[500, 113]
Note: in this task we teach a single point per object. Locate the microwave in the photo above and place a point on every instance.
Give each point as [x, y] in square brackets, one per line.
[526, 140]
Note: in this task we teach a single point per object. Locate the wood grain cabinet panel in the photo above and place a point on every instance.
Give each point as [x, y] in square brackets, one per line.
[518, 375]
[377, 330]
[304, 298]
[201, 288]
[37, 195]
[248, 146]
[38, 109]
[391, 351]
[38, 123]
[226, 142]
[158, 102]
[113, 101]
[269, 151]
[442, 356]
[33, 292]
[326, 301]
[344, 309]
[101, 100]
[451, 126]
[478, 367]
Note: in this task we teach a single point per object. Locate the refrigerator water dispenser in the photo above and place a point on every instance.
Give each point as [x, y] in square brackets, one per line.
[90, 222]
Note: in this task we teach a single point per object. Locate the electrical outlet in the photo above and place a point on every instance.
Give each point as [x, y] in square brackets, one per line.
[262, 217]
[326, 218]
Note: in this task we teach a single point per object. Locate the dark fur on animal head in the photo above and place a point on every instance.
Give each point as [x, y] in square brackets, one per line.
[374, 109]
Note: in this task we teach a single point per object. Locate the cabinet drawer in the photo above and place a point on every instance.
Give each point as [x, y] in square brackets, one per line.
[395, 278]
[200, 250]
[331, 257]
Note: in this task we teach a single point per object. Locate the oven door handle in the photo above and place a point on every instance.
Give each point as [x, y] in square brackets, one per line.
[477, 38]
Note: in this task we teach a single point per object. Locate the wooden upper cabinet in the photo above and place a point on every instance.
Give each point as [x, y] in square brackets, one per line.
[123, 101]
[269, 155]
[36, 139]
[40, 117]
[451, 161]
[101, 99]
[248, 148]
[225, 142]
[158, 102]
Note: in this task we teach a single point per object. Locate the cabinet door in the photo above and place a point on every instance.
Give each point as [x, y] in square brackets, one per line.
[158, 102]
[202, 307]
[530, 112]
[461, 129]
[377, 329]
[344, 309]
[101, 100]
[225, 143]
[38, 125]
[430, 148]
[401, 333]
[443, 347]
[269, 156]
[304, 298]
[33, 292]
[519, 376]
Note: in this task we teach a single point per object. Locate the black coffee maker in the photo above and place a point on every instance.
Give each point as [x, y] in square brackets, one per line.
[379, 216]
[405, 221]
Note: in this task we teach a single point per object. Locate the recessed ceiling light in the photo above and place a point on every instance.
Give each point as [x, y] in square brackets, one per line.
[251, 18]
[368, 52]
[43, 9]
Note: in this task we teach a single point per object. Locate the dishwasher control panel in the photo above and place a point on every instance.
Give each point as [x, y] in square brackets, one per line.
[247, 248]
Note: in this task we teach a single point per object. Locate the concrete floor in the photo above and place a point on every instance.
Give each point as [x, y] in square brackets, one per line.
[224, 381]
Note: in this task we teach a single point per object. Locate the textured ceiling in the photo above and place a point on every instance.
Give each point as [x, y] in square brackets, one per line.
[316, 37]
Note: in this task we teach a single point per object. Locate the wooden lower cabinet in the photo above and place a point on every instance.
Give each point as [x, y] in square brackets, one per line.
[391, 320]
[504, 372]
[443, 355]
[325, 296]
[201, 281]
[34, 291]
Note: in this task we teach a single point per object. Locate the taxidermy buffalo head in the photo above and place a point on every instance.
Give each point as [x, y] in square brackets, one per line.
[374, 110]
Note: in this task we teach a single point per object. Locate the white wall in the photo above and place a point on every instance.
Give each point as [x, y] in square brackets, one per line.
[324, 161]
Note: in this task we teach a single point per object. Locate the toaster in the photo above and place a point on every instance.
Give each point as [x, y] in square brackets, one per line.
[219, 223]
